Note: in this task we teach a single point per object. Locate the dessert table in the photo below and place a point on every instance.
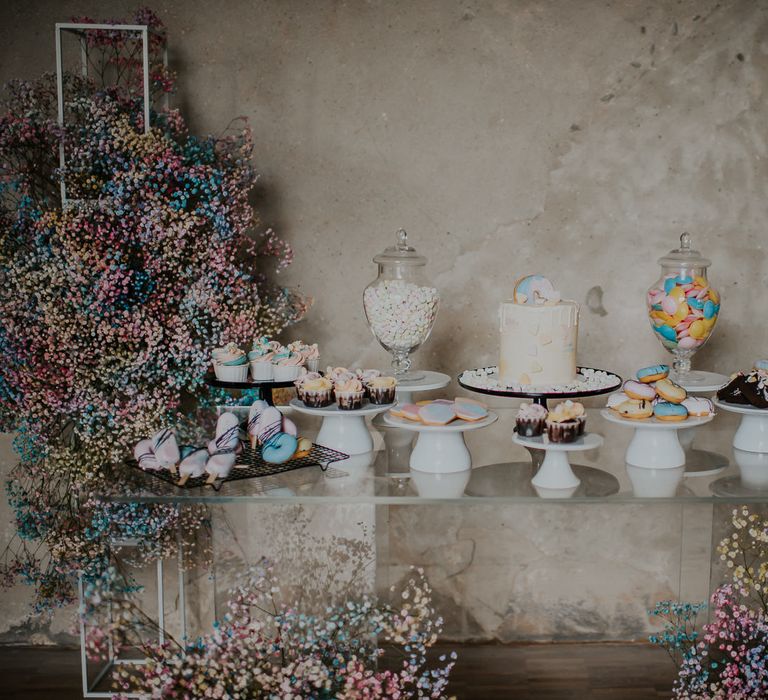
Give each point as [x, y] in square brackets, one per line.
[500, 478]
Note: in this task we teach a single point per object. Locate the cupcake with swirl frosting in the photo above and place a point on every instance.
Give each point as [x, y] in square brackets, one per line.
[349, 393]
[381, 390]
[287, 368]
[565, 422]
[231, 364]
[316, 392]
[530, 421]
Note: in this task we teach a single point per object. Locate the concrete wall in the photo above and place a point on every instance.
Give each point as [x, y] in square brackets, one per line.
[576, 139]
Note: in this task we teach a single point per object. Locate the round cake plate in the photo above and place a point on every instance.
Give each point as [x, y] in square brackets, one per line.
[750, 443]
[398, 442]
[265, 388]
[440, 448]
[345, 431]
[655, 444]
[700, 382]
[555, 471]
[540, 397]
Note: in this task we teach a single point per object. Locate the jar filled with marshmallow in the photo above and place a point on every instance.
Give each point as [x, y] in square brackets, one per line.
[401, 305]
[683, 306]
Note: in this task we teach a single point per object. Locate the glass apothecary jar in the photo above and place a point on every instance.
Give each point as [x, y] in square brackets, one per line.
[683, 307]
[401, 305]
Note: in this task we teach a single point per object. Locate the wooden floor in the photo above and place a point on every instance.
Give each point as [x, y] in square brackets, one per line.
[483, 672]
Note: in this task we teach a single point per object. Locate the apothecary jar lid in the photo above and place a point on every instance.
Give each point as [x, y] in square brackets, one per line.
[684, 256]
[401, 253]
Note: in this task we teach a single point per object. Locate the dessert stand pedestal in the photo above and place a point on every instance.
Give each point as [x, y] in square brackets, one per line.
[655, 444]
[440, 449]
[700, 462]
[750, 444]
[555, 478]
[599, 481]
[265, 388]
[398, 442]
[345, 431]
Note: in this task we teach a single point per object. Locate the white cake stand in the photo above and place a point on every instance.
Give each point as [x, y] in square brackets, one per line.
[398, 442]
[655, 444]
[440, 448]
[555, 472]
[701, 462]
[345, 431]
[750, 443]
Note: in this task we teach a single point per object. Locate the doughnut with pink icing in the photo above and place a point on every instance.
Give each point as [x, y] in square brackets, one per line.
[639, 391]
[699, 406]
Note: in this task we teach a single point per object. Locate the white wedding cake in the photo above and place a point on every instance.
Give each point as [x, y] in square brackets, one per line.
[539, 332]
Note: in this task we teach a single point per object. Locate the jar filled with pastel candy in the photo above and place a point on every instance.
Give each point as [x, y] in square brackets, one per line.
[683, 306]
[401, 305]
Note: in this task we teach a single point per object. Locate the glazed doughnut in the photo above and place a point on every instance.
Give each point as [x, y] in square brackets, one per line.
[664, 410]
[639, 391]
[669, 391]
[636, 409]
[616, 399]
[652, 374]
[698, 406]
[279, 448]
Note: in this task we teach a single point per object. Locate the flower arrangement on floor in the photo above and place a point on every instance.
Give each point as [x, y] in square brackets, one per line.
[267, 649]
[729, 658]
[109, 307]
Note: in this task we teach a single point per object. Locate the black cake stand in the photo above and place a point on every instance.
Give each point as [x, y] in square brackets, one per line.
[593, 482]
[265, 388]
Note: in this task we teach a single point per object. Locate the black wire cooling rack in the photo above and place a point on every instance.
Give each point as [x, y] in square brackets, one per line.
[249, 465]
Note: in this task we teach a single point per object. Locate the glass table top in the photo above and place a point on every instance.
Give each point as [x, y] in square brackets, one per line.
[501, 473]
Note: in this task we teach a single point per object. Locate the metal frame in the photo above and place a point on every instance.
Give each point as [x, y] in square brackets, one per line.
[89, 686]
[79, 29]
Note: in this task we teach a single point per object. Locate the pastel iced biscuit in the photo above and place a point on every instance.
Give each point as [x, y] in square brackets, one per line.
[683, 310]
[437, 413]
[669, 391]
[470, 411]
[639, 391]
[664, 410]
[762, 365]
[409, 411]
[652, 374]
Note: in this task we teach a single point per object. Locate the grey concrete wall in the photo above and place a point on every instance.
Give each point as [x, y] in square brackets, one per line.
[576, 139]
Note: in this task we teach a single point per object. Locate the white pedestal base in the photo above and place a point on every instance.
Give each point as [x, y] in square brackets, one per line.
[750, 444]
[655, 443]
[555, 472]
[655, 449]
[441, 453]
[753, 467]
[348, 435]
[752, 435]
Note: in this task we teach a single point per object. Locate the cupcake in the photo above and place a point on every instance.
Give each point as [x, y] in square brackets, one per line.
[381, 390]
[299, 383]
[339, 374]
[579, 413]
[349, 394]
[287, 368]
[310, 353]
[317, 392]
[563, 422]
[261, 366]
[231, 365]
[365, 376]
[530, 420]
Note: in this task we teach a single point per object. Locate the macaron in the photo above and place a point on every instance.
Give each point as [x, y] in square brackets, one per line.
[669, 391]
[664, 410]
[639, 391]
[653, 373]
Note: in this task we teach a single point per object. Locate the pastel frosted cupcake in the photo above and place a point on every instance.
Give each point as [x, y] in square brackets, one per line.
[339, 374]
[287, 369]
[299, 383]
[310, 353]
[531, 419]
[365, 376]
[261, 366]
[231, 365]
[381, 390]
[349, 394]
[578, 412]
[317, 393]
[563, 422]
